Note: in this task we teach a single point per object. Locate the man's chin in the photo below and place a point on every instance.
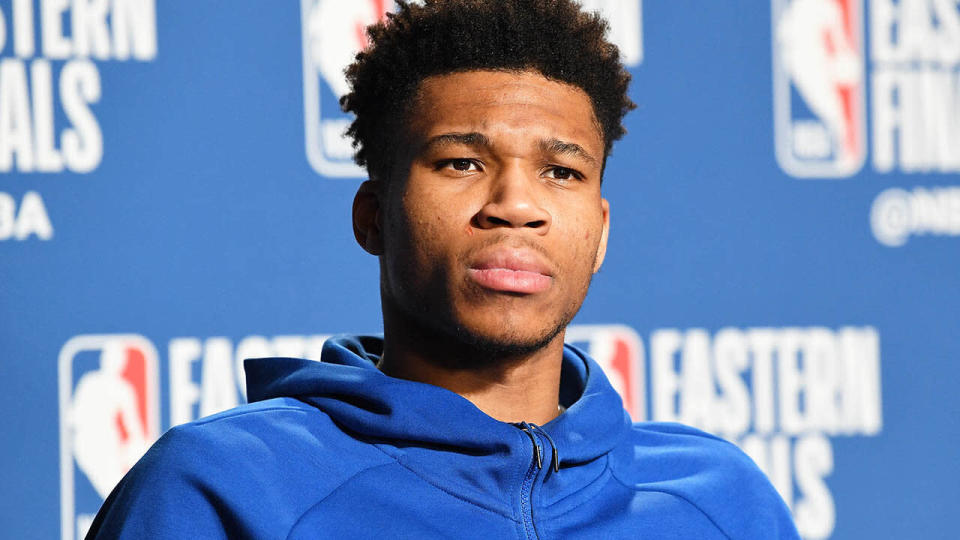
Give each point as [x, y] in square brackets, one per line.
[504, 344]
[472, 339]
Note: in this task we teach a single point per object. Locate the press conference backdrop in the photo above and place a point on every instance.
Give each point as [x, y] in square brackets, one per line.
[782, 269]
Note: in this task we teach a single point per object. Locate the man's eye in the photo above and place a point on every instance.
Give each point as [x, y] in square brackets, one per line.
[460, 165]
[563, 173]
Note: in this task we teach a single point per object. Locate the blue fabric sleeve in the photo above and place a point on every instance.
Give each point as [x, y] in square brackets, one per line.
[163, 496]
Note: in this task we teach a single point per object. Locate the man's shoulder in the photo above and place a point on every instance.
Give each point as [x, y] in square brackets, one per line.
[679, 452]
[257, 467]
[270, 433]
[706, 471]
[679, 436]
[270, 414]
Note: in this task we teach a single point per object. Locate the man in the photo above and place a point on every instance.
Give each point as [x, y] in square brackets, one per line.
[485, 126]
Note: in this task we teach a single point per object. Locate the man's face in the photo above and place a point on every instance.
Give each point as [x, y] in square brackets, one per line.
[495, 224]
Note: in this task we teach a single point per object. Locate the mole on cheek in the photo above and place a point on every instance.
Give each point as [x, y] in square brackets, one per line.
[469, 230]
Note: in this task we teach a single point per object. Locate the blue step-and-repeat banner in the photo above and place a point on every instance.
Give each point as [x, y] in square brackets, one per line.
[783, 265]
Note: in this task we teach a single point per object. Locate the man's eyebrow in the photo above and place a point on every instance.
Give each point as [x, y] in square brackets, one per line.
[476, 139]
[556, 146]
[473, 138]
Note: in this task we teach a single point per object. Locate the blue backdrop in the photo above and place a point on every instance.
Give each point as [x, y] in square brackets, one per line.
[785, 235]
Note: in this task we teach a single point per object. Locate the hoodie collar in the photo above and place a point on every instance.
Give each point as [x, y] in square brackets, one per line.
[423, 419]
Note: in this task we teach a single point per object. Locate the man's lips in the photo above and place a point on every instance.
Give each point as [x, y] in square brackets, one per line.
[511, 270]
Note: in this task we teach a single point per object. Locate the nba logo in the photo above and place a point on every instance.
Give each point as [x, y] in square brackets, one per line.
[108, 418]
[333, 31]
[619, 351]
[818, 80]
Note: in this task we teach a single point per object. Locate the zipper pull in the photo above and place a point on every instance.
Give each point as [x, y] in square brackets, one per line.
[555, 461]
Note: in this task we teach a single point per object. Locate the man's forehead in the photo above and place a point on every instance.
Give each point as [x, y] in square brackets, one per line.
[490, 102]
[490, 87]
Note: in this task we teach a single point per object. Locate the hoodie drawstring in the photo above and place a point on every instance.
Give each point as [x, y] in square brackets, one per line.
[529, 429]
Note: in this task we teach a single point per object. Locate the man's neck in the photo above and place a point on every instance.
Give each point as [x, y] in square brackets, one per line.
[522, 388]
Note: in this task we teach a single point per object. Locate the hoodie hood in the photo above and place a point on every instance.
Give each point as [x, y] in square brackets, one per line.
[420, 423]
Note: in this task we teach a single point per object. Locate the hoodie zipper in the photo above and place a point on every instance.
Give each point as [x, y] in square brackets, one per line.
[526, 489]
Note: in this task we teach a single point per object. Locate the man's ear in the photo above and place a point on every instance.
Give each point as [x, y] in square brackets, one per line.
[602, 247]
[366, 217]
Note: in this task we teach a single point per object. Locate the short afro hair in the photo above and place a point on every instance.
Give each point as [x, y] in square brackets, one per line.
[553, 37]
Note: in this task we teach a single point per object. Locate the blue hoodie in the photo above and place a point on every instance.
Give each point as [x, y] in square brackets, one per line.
[336, 449]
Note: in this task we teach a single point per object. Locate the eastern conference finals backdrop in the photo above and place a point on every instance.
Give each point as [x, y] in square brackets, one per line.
[175, 197]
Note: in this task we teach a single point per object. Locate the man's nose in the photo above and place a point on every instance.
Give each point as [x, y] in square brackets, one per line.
[513, 202]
